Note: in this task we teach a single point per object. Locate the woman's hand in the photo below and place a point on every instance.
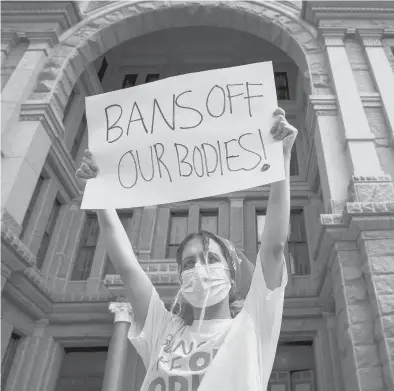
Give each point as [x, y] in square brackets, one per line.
[282, 130]
[88, 168]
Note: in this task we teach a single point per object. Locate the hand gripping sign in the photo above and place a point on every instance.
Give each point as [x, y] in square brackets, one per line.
[185, 137]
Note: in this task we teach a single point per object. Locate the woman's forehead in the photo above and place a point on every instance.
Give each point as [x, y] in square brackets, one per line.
[195, 246]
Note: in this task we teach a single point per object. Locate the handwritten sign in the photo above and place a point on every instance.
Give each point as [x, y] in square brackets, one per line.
[182, 138]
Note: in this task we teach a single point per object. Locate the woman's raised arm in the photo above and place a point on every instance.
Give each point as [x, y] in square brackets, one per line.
[276, 225]
[136, 282]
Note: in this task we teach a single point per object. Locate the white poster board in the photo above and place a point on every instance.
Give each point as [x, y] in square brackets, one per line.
[182, 138]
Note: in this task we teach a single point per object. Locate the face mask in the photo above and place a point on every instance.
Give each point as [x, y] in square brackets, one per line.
[205, 285]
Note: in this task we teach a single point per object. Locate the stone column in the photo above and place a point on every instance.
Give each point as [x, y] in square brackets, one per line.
[381, 71]
[22, 81]
[115, 366]
[361, 153]
[237, 222]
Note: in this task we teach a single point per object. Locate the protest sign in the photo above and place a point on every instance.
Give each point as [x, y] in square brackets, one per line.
[185, 137]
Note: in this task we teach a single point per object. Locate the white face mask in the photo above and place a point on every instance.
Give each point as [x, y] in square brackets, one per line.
[205, 285]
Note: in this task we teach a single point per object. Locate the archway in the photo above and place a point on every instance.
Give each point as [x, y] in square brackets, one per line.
[114, 24]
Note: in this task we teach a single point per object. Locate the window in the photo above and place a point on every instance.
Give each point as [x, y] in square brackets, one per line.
[152, 77]
[32, 203]
[87, 248]
[69, 103]
[8, 358]
[209, 221]
[103, 68]
[178, 231]
[297, 248]
[109, 267]
[129, 81]
[50, 226]
[260, 221]
[282, 86]
[78, 137]
[296, 252]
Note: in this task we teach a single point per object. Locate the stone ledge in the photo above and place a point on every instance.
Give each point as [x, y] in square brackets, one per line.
[369, 208]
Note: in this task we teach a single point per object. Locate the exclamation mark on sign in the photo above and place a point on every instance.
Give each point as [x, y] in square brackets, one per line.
[265, 165]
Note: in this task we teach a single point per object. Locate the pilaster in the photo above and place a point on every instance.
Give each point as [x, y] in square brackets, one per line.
[193, 221]
[25, 151]
[161, 236]
[6, 331]
[379, 64]
[22, 81]
[359, 140]
[22, 371]
[237, 222]
[324, 126]
[35, 230]
[145, 240]
[224, 220]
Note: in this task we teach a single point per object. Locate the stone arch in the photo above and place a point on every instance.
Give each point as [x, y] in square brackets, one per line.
[116, 23]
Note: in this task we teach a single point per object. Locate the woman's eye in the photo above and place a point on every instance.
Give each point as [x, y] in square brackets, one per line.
[189, 264]
[213, 258]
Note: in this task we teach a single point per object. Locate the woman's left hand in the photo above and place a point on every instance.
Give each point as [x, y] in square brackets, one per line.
[282, 130]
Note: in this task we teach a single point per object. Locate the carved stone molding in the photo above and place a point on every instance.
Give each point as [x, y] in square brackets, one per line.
[333, 41]
[324, 105]
[371, 37]
[123, 312]
[333, 36]
[372, 42]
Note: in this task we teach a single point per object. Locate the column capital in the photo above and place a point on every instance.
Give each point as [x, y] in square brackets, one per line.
[236, 202]
[333, 36]
[123, 311]
[41, 40]
[370, 36]
[9, 37]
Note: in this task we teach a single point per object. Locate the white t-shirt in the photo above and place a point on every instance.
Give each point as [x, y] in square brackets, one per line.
[226, 354]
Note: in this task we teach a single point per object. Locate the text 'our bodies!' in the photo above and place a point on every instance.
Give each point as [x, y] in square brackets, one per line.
[183, 138]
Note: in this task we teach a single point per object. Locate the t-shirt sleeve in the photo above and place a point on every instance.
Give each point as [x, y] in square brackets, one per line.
[265, 306]
[158, 318]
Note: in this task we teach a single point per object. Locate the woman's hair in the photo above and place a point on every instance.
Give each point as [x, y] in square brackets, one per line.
[180, 306]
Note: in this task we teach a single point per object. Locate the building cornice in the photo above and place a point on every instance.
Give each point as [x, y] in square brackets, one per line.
[21, 14]
[315, 12]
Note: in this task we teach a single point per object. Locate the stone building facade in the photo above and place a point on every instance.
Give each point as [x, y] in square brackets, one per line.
[64, 317]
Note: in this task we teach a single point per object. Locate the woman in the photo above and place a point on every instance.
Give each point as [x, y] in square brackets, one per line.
[207, 342]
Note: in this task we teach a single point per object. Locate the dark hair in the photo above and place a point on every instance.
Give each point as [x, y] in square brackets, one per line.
[180, 306]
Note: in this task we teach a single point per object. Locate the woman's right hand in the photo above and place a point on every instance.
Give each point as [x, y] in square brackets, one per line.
[88, 168]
